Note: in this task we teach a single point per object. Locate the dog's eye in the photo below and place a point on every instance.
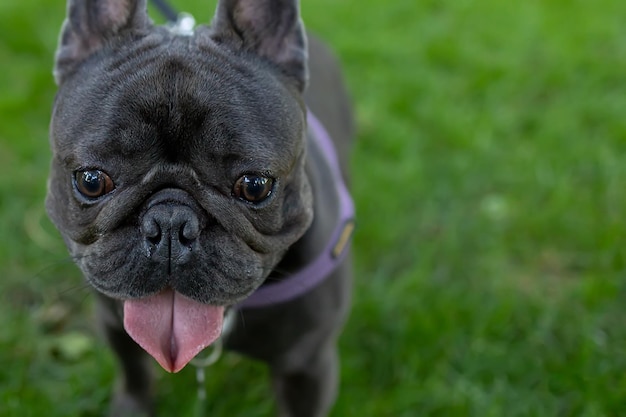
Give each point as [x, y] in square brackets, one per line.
[93, 183]
[253, 188]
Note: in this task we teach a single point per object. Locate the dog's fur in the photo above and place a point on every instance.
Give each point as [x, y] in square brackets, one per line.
[174, 121]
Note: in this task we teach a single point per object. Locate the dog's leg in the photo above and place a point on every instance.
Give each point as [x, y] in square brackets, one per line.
[133, 395]
[309, 391]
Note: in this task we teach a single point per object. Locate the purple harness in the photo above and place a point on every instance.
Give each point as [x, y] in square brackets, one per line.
[334, 252]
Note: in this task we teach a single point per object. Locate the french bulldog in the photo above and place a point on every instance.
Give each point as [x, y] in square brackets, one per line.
[186, 177]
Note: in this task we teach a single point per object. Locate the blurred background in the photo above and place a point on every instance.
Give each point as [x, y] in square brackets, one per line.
[490, 256]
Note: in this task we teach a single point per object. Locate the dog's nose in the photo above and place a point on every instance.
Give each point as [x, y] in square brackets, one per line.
[170, 233]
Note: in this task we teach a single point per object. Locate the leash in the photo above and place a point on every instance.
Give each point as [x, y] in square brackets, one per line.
[166, 10]
[213, 354]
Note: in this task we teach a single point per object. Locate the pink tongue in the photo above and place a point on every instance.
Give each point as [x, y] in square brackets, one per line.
[172, 328]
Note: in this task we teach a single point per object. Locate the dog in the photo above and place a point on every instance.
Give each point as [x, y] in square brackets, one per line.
[193, 178]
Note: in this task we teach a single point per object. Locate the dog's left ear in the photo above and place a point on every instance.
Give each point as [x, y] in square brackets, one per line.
[90, 24]
[271, 29]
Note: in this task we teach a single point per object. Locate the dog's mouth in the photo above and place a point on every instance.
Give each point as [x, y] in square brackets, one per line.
[172, 328]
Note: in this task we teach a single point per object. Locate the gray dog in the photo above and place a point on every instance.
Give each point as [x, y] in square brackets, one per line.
[191, 179]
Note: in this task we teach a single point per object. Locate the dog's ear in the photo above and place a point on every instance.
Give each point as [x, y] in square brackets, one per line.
[90, 24]
[271, 29]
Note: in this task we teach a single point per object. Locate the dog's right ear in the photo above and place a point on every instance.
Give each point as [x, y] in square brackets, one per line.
[89, 25]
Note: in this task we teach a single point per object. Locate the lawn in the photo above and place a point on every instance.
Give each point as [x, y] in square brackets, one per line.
[490, 256]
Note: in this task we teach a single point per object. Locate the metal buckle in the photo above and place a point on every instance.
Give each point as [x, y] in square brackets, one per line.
[184, 25]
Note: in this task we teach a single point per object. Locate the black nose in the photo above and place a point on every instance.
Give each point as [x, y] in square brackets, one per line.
[170, 233]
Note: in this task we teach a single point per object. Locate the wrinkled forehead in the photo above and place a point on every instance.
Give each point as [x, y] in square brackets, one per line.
[180, 92]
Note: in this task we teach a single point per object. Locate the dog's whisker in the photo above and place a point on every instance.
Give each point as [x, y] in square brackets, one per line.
[243, 318]
[84, 287]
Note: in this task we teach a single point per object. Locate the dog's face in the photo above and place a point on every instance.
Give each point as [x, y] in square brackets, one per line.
[178, 161]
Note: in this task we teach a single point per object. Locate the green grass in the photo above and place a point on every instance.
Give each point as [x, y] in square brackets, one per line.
[489, 175]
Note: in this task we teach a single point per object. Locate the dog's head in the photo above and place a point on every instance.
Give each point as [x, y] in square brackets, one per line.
[177, 178]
